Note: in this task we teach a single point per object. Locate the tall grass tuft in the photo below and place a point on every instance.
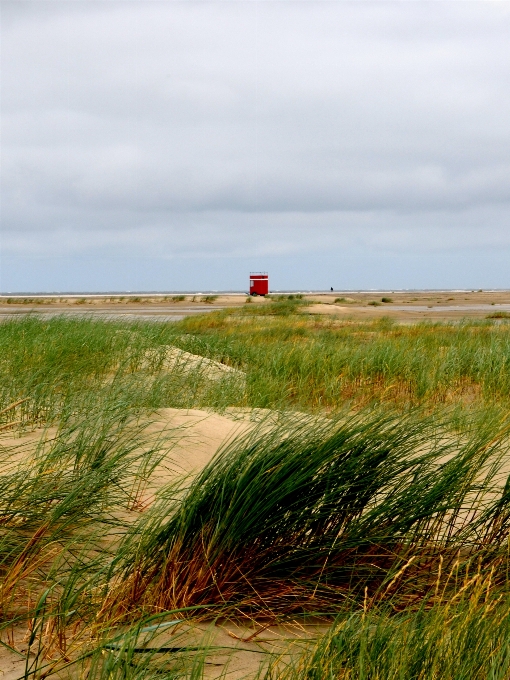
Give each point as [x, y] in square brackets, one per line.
[467, 637]
[312, 515]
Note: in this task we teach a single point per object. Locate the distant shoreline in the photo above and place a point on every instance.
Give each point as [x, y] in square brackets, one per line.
[157, 294]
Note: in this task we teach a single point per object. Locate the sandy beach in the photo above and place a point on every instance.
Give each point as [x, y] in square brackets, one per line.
[404, 306]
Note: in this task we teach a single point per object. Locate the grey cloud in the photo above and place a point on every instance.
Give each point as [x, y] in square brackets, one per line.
[187, 127]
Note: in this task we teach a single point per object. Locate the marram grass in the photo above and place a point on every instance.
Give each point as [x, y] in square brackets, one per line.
[316, 514]
[467, 638]
[394, 523]
[294, 361]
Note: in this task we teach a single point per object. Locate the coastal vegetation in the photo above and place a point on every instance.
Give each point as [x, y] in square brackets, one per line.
[370, 491]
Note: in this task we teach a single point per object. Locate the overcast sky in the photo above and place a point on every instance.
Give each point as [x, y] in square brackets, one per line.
[161, 145]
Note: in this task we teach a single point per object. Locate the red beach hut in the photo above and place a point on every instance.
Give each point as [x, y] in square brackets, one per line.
[259, 283]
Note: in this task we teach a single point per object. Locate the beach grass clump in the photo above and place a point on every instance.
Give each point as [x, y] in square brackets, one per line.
[313, 514]
[467, 637]
[316, 363]
[73, 477]
[281, 305]
[65, 502]
[499, 315]
[50, 366]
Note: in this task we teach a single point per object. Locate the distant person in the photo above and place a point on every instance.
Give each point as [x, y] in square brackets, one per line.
[331, 288]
